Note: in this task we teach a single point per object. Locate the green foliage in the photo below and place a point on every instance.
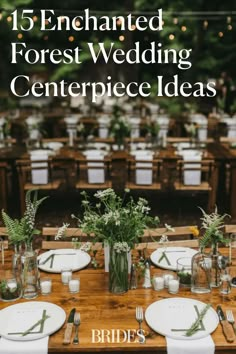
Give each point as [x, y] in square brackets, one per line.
[212, 224]
[23, 230]
[115, 221]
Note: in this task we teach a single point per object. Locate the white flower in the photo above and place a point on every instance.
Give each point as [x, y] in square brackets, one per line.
[121, 247]
[86, 247]
[104, 193]
[169, 228]
[61, 231]
[163, 239]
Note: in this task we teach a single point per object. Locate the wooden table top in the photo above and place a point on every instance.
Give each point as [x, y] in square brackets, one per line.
[100, 309]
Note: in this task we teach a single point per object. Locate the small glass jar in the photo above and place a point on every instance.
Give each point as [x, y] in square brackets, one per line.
[158, 282]
[173, 286]
[184, 271]
[201, 273]
[225, 286]
[10, 287]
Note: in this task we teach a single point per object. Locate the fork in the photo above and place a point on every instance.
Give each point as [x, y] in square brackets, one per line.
[139, 318]
[76, 323]
[230, 318]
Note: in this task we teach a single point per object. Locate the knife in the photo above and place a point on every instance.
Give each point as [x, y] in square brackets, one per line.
[69, 327]
[226, 326]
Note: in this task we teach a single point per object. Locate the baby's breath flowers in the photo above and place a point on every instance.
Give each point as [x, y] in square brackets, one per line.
[61, 232]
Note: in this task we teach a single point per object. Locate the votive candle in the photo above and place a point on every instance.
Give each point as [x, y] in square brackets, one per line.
[158, 283]
[66, 275]
[74, 285]
[173, 286]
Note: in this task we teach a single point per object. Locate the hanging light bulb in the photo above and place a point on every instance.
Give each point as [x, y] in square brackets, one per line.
[20, 36]
[230, 27]
[221, 34]
[205, 24]
[229, 19]
[9, 19]
[121, 38]
[0, 15]
[175, 21]
[183, 28]
[71, 39]
[171, 37]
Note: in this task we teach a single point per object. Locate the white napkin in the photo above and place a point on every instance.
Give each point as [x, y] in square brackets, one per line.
[39, 346]
[192, 177]
[39, 175]
[203, 345]
[95, 175]
[143, 176]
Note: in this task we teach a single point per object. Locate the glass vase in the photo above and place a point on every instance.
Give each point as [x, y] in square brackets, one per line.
[30, 273]
[118, 272]
[215, 270]
[201, 273]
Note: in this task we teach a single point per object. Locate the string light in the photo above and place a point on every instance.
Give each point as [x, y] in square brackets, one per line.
[229, 19]
[221, 34]
[171, 36]
[46, 22]
[175, 21]
[205, 24]
[230, 27]
[71, 39]
[163, 22]
[118, 22]
[183, 28]
[121, 38]
[62, 19]
[35, 18]
[133, 27]
[77, 23]
[20, 36]
[9, 19]
[0, 15]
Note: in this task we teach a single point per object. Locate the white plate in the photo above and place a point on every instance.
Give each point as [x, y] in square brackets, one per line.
[173, 254]
[64, 258]
[20, 317]
[179, 314]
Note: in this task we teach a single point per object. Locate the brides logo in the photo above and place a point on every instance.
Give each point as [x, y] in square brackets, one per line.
[117, 336]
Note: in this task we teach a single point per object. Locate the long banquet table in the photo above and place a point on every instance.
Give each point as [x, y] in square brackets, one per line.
[100, 309]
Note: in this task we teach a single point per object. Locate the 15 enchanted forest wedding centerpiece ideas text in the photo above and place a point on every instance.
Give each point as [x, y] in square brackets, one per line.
[120, 222]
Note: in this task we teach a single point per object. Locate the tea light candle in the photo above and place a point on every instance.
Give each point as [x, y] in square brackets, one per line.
[158, 283]
[173, 286]
[12, 284]
[74, 285]
[167, 278]
[66, 275]
[46, 286]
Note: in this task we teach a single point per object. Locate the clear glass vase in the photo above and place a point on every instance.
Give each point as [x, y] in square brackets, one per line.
[30, 273]
[201, 273]
[118, 272]
[215, 270]
[10, 286]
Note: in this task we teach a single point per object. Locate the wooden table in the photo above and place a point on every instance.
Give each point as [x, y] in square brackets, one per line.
[100, 309]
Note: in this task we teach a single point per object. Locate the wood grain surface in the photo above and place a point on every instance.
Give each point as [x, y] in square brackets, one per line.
[99, 309]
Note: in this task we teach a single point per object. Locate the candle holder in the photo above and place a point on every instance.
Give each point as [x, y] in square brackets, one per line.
[74, 285]
[158, 282]
[66, 275]
[46, 286]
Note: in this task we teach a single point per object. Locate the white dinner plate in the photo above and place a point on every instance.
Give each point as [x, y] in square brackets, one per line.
[172, 317]
[173, 254]
[18, 318]
[63, 258]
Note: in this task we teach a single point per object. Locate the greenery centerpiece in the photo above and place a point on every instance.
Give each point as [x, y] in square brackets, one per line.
[212, 224]
[119, 127]
[21, 233]
[120, 223]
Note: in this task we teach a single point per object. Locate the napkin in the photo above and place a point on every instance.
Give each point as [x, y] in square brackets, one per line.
[95, 175]
[39, 175]
[192, 177]
[203, 345]
[39, 346]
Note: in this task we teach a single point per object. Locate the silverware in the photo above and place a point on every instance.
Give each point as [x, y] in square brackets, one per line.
[69, 327]
[226, 326]
[230, 319]
[139, 318]
[76, 323]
